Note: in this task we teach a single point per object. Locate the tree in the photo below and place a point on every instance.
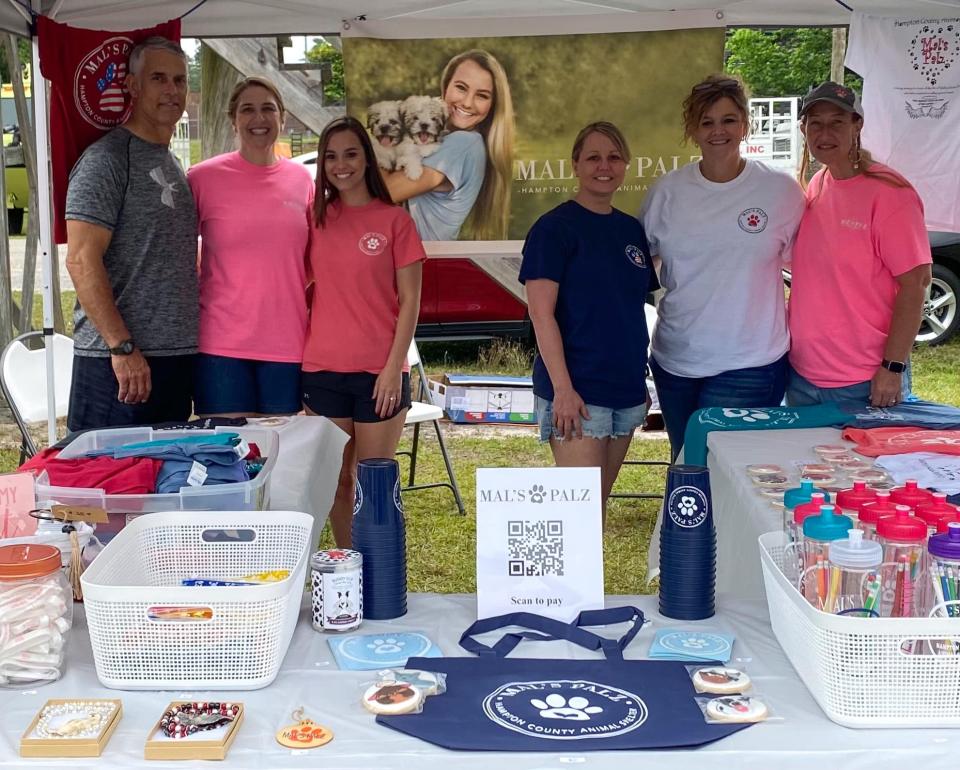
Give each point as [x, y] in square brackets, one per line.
[331, 65]
[25, 52]
[193, 70]
[782, 62]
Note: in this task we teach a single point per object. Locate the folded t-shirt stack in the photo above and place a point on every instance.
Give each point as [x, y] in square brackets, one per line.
[219, 454]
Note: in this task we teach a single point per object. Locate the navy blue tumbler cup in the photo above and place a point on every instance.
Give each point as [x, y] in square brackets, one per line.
[379, 533]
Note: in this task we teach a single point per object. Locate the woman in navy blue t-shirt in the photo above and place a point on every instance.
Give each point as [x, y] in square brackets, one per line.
[586, 266]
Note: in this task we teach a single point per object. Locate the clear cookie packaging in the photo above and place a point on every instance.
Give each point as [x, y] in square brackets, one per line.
[401, 690]
[36, 612]
[719, 680]
[723, 709]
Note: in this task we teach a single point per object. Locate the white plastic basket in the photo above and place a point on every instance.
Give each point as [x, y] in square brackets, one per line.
[861, 670]
[239, 634]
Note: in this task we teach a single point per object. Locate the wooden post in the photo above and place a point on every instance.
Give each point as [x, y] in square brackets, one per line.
[6, 283]
[217, 80]
[837, 54]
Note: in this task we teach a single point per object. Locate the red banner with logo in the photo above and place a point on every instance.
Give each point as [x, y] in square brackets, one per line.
[86, 69]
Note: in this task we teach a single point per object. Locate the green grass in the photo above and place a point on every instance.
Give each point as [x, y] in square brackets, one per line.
[442, 545]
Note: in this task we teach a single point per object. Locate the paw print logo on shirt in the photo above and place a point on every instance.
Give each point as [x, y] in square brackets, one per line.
[537, 493]
[387, 646]
[555, 706]
[747, 415]
[753, 220]
[372, 243]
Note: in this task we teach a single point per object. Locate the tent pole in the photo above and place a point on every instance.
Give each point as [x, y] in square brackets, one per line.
[42, 127]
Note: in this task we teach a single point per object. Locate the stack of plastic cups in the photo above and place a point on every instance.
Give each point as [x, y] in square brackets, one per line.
[903, 537]
[688, 545]
[380, 535]
[870, 513]
[818, 533]
[853, 582]
[850, 500]
[910, 494]
[935, 511]
[944, 553]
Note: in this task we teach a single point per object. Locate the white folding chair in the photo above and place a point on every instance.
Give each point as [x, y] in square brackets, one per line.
[23, 379]
[421, 411]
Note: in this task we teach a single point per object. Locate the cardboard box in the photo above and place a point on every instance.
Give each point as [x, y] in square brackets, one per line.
[484, 398]
[31, 746]
[202, 745]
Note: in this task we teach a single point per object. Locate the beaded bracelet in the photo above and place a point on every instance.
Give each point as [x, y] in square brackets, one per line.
[185, 719]
[88, 718]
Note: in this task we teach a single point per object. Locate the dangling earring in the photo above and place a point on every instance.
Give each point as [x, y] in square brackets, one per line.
[855, 157]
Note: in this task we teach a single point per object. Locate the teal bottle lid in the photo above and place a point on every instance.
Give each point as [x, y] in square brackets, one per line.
[829, 525]
[799, 495]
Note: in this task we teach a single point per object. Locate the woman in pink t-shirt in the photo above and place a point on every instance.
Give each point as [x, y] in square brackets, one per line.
[253, 210]
[366, 262]
[861, 265]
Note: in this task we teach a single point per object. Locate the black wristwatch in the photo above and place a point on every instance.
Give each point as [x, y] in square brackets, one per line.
[125, 348]
[897, 367]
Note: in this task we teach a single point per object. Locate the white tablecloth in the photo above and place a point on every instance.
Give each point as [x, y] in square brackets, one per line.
[803, 738]
[306, 473]
[742, 515]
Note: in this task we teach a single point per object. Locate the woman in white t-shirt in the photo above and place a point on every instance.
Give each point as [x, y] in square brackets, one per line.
[722, 230]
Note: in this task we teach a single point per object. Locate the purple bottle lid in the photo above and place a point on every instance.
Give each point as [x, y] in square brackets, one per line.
[946, 546]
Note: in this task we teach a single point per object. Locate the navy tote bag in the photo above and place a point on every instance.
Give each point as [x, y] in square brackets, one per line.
[524, 704]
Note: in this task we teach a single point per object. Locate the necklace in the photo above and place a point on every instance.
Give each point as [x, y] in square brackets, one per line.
[73, 719]
[183, 719]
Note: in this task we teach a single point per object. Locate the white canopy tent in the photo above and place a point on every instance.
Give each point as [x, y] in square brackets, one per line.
[407, 18]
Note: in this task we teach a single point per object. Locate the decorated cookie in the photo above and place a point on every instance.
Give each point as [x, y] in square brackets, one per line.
[425, 681]
[720, 680]
[771, 480]
[820, 478]
[736, 708]
[829, 450]
[870, 475]
[763, 469]
[392, 698]
[774, 493]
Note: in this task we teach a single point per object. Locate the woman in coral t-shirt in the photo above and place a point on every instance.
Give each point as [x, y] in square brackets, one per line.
[861, 265]
[366, 261]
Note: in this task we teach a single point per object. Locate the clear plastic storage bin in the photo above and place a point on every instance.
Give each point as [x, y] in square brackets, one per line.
[250, 495]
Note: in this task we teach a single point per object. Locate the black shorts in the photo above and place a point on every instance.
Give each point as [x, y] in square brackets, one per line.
[348, 395]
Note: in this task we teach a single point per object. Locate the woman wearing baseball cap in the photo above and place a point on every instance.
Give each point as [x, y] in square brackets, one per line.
[861, 264]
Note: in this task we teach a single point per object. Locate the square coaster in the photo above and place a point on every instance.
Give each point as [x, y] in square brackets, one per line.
[691, 645]
[367, 652]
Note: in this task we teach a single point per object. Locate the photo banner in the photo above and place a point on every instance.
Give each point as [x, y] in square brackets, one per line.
[557, 84]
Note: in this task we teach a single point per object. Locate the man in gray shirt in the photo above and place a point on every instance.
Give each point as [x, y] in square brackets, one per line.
[132, 255]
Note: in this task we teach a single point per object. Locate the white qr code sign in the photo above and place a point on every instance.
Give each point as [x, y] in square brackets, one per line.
[539, 541]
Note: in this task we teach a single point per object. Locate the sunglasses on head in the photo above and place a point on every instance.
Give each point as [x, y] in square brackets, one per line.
[717, 85]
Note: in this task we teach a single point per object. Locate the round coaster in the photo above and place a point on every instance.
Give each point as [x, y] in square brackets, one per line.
[306, 734]
[392, 698]
[763, 470]
[737, 708]
[720, 680]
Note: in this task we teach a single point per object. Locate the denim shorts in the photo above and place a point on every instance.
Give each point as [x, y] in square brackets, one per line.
[227, 385]
[604, 422]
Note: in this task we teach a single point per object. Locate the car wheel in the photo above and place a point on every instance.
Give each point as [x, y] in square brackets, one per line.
[940, 312]
[15, 221]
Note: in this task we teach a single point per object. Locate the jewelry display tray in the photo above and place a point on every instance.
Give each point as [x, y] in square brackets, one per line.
[195, 747]
[69, 747]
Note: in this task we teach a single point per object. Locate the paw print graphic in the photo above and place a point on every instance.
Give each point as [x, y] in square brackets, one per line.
[372, 243]
[537, 493]
[747, 415]
[694, 643]
[753, 220]
[555, 706]
[688, 505]
[386, 646]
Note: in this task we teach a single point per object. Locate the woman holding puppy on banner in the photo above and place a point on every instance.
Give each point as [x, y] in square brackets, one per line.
[465, 184]
[722, 229]
[366, 261]
[587, 269]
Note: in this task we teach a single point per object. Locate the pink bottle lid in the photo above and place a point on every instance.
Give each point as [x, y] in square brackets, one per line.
[943, 526]
[902, 527]
[808, 509]
[936, 509]
[852, 499]
[870, 513]
[910, 494]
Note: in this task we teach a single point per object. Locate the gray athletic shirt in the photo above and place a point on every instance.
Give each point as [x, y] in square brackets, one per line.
[137, 190]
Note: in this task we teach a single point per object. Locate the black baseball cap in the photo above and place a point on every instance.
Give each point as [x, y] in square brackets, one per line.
[838, 95]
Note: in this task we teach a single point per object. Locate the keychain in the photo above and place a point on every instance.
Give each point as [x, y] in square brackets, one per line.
[306, 734]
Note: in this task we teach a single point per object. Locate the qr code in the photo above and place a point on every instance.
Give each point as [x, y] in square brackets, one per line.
[535, 548]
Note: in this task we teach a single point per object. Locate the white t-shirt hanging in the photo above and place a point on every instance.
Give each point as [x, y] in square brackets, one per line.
[722, 246]
[911, 100]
